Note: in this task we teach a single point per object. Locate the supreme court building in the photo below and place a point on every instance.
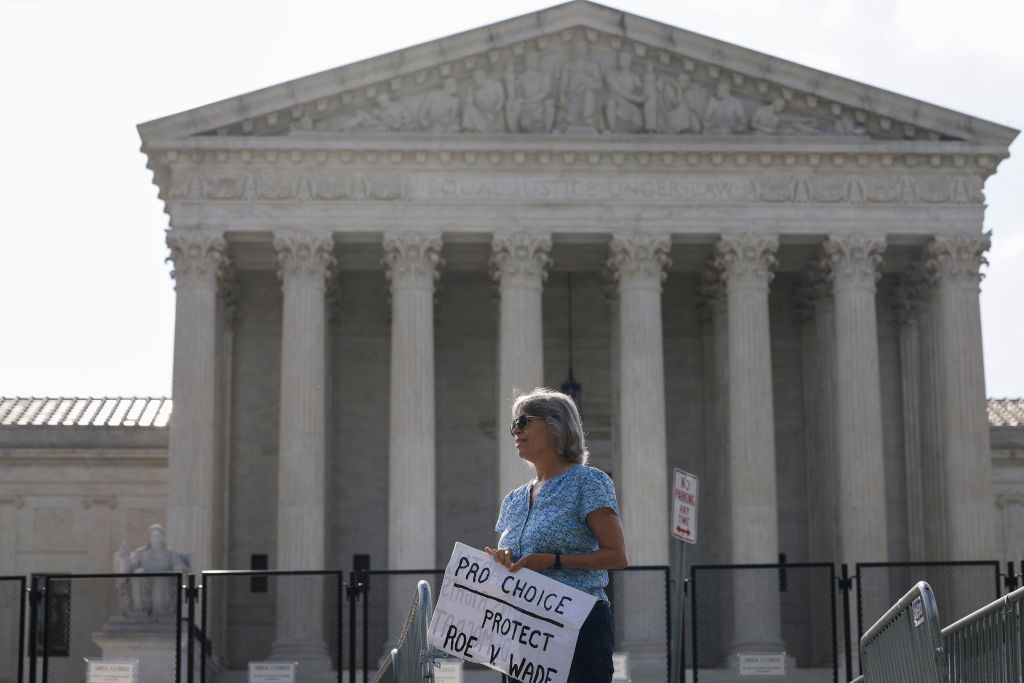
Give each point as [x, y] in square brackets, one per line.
[765, 275]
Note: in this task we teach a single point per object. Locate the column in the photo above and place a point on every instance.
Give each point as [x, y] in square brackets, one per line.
[715, 344]
[637, 263]
[966, 464]
[906, 306]
[192, 479]
[853, 262]
[412, 260]
[518, 263]
[819, 412]
[932, 489]
[304, 260]
[746, 262]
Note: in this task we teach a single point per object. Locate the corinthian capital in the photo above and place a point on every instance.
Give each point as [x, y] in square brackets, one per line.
[639, 259]
[412, 259]
[520, 259]
[197, 255]
[304, 258]
[746, 260]
[957, 259]
[853, 260]
[909, 294]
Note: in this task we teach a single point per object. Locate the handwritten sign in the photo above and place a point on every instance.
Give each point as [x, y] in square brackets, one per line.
[522, 624]
[111, 671]
[272, 672]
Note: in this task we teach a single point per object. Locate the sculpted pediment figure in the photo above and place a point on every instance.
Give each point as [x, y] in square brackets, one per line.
[577, 69]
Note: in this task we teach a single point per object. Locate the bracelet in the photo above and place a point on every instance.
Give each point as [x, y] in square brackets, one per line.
[558, 561]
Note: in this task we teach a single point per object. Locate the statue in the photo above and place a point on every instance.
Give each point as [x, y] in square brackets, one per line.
[681, 117]
[845, 125]
[484, 108]
[577, 90]
[530, 107]
[439, 111]
[624, 107]
[389, 115]
[151, 598]
[650, 99]
[724, 114]
[767, 119]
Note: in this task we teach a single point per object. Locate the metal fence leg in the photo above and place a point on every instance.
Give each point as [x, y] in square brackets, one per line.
[33, 616]
[845, 585]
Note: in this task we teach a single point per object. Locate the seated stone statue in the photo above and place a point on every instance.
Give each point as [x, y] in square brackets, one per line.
[154, 597]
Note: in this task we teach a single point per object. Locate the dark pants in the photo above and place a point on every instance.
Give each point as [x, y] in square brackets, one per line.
[592, 662]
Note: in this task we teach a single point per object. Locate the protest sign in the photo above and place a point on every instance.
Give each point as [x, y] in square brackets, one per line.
[522, 624]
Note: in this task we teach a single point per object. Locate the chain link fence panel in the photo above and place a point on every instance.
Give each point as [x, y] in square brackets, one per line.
[109, 616]
[763, 620]
[12, 628]
[257, 616]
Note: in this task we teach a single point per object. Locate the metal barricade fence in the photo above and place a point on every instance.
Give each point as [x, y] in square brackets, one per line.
[988, 644]
[107, 616]
[962, 586]
[767, 620]
[12, 628]
[640, 599]
[252, 616]
[905, 645]
[386, 598]
[411, 659]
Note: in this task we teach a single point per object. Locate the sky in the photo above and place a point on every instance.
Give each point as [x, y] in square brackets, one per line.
[86, 301]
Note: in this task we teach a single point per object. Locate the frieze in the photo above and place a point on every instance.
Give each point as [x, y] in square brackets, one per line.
[580, 81]
[334, 184]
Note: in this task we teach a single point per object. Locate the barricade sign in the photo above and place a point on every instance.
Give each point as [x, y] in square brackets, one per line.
[522, 624]
[272, 672]
[112, 671]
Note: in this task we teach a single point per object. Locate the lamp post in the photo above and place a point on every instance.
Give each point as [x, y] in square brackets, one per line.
[570, 387]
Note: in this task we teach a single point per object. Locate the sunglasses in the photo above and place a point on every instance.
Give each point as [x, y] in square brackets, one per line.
[521, 422]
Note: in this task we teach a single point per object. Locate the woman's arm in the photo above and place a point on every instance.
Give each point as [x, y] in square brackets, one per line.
[610, 554]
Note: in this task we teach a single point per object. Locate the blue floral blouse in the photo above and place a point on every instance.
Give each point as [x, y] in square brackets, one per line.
[558, 523]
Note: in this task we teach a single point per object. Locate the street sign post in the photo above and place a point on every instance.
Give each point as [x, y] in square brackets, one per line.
[684, 528]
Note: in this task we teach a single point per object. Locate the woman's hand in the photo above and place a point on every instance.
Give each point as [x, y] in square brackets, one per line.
[501, 555]
[534, 561]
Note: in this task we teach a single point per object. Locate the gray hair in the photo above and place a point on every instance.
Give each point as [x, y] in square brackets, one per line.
[562, 418]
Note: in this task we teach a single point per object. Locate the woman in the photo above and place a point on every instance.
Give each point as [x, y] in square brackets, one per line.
[565, 523]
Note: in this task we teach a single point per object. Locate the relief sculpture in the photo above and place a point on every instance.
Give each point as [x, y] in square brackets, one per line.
[724, 114]
[681, 104]
[439, 111]
[580, 85]
[625, 107]
[530, 104]
[578, 91]
[484, 108]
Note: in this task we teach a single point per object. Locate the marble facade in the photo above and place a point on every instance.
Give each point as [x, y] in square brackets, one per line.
[775, 281]
[643, 160]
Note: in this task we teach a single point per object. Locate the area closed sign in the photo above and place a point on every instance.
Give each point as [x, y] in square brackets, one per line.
[684, 506]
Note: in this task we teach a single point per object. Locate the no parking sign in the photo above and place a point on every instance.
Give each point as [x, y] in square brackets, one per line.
[684, 506]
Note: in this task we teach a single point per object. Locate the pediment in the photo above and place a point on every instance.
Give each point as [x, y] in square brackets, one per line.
[577, 69]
